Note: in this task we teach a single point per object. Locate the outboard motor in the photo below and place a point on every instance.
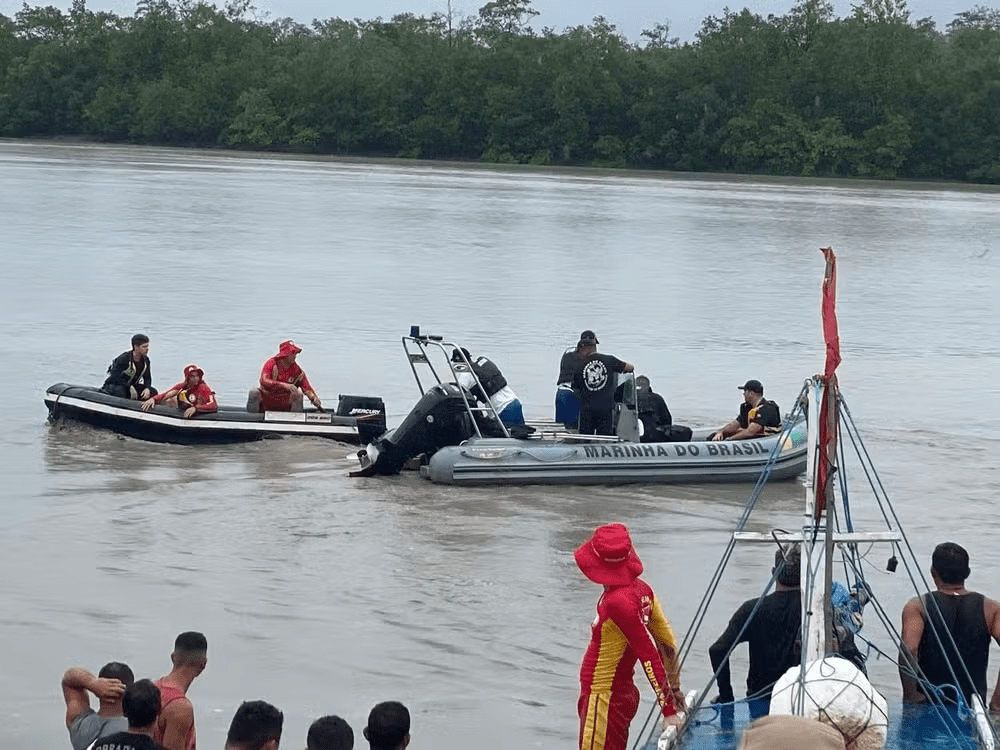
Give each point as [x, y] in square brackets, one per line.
[368, 410]
[440, 418]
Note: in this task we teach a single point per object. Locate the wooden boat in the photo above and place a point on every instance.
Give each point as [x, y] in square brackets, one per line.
[462, 442]
[822, 687]
[358, 419]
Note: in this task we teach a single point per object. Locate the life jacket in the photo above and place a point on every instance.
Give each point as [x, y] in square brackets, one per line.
[489, 375]
[768, 429]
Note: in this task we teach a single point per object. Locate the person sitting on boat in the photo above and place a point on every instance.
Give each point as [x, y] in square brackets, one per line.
[630, 627]
[129, 375]
[771, 626]
[657, 423]
[495, 389]
[929, 652]
[757, 417]
[282, 383]
[568, 400]
[192, 395]
[594, 379]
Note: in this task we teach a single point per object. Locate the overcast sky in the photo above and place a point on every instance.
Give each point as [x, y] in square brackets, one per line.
[629, 16]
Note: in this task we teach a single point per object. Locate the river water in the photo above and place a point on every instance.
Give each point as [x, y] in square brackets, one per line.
[326, 594]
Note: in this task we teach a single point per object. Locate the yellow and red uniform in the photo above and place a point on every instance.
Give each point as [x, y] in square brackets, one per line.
[629, 625]
[281, 370]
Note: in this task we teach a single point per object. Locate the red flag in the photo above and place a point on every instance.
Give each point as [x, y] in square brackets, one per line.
[828, 412]
[830, 313]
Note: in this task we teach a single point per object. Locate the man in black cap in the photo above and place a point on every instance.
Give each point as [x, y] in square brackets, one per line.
[594, 380]
[757, 417]
[568, 400]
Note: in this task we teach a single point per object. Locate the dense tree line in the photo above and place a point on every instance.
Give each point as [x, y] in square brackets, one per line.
[873, 94]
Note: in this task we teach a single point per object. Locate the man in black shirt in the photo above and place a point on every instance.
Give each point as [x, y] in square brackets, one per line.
[594, 379]
[757, 416]
[958, 618]
[141, 705]
[773, 634]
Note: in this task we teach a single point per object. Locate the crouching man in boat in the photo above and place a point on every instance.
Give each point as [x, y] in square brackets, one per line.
[657, 423]
[282, 383]
[958, 618]
[129, 375]
[192, 395]
[503, 399]
[757, 417]
[630, 627]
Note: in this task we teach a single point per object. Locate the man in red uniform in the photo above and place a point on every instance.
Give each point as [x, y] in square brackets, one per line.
[630, 627]
[282, 383]
[192, 396]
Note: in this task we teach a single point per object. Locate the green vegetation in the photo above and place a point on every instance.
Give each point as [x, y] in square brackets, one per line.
[870, 95]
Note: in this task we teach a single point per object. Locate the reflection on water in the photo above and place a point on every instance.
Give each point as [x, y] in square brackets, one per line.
[324, 593]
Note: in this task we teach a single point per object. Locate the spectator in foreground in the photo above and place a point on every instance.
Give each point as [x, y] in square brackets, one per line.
[388, 726]
[330, 733]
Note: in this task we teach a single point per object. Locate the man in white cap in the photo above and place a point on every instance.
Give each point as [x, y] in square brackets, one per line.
[630, 626]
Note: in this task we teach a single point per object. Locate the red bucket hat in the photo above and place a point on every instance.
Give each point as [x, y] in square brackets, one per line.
[287, 348]
[608, 557]
[194, 368]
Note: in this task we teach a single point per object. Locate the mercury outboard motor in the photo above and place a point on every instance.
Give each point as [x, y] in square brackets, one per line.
[440, 418]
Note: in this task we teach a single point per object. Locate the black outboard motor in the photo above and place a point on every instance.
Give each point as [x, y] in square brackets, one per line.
[368, 410]
[440, 418]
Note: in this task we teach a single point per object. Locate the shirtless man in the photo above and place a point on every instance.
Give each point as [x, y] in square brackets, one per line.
[175, 725]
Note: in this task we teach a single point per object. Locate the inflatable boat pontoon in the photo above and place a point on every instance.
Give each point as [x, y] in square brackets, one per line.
[358, 419]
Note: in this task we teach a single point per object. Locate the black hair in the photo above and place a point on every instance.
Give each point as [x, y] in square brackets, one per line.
[254, 724]
[330, 733]
[117, 670]
[141, 703]
[789, 574]
[191, 642]
[388, 725]
[951, 562]
[139, 338]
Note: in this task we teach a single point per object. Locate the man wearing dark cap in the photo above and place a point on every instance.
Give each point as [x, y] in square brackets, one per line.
[84, 724]
[595, 382]
[630, 627]
[757, 417]
[957, 617]
[568, 400]
[772, 635]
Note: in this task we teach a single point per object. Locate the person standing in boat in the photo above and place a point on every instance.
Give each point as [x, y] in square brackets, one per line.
[568, 400]
[497, 392]
[958, 618]
[129, 375]
[192, 395]
[282, 383]
[771, 627]
[757, 417]
[594, 379]
[630, 626]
